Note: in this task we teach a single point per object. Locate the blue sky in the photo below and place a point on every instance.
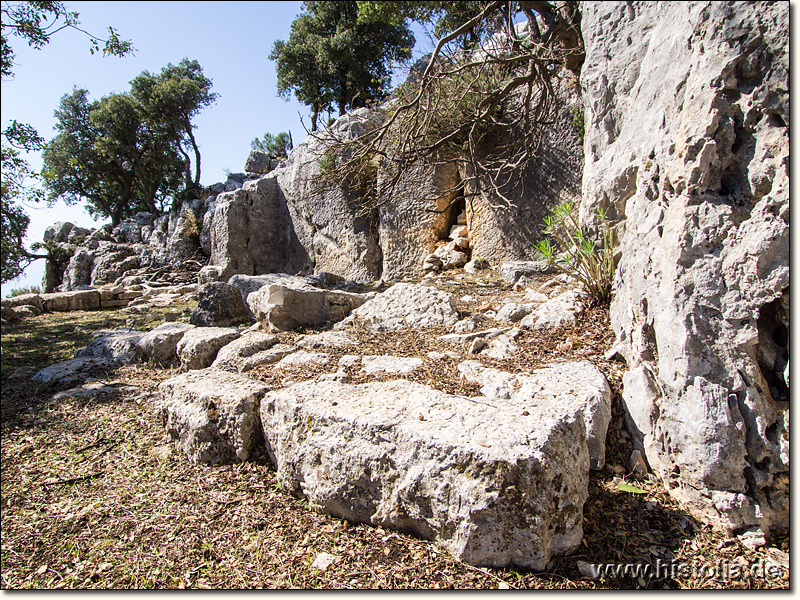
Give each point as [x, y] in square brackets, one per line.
[230, 40]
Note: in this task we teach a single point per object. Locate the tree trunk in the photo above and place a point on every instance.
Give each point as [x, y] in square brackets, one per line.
[188, 125]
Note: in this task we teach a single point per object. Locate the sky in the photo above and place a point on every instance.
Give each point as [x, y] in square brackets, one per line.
[230, 40]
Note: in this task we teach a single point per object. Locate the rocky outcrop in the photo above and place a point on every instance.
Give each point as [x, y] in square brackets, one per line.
[252, 233]
[252, 349]
[160, 345]
[501, 232]
[198, 347]
[495, 483]
[289, 304]
[326, 216]
[213, 415]
[408, 226]
[687, 112]
[579, 382]
[260, 162]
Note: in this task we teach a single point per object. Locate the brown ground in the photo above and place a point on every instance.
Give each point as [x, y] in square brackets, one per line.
[95, 496]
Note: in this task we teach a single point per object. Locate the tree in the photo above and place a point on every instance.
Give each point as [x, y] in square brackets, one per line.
[481, 104]
[18, 185]
[172, 99]
[129, 152]
[334, 58]
[277, 146]
[36, 22]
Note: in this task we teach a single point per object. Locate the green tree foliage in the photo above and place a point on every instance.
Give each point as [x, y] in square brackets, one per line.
[35, 22]
[277, 146]
[173, 98]
[129, 152]
[483, 100]
[333, 58]
[18, 186]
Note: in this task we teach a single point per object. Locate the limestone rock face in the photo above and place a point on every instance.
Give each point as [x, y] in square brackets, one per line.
[561, 310]
[160, 344]
[75, 371]
[419, 305]
[121, 346]
[247, 284]
[325, 216]
[259, 162]
[687, 112]
[252, 233]
[408, 228]
[252, 349]
[494, 486]
[212, 414]
[499, 232]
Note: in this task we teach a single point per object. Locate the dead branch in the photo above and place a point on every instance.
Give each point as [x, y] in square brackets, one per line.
[484, 110]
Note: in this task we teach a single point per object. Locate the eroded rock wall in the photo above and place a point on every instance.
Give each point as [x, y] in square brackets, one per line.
[687, 113]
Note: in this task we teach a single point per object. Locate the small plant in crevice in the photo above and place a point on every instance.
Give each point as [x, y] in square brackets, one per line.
[570, 249]
[578, 121]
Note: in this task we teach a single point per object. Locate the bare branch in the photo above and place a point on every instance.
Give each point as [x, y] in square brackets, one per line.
[483, 111]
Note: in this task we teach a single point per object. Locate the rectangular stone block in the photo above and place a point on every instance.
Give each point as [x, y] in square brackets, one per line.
[496, 482]
[213, 414]
[76, 300]
[113, 303]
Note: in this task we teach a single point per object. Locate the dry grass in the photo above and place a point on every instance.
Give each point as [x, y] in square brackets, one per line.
[144, 517]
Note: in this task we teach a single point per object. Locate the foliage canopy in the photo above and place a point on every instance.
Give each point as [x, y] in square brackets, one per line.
[129, 152]
[337, 57]
[35, 22]
[482, 100]
[277, 146]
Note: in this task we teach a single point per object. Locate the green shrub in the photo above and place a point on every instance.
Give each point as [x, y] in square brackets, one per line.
[570, 249]
[578, 120]
[33, 289]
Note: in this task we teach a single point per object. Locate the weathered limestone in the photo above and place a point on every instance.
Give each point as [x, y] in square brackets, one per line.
[248, 284]
[327, 339]
[77, 300]
[74, 372]
[285, 306]
[419, 305]
[499, 232]
[212, 414]
[512, 270]
[303, 357]
[562, 310]
[408, 228]
[579, 383]
[514, 311]
[496, 483]
[160, 345]
[199, 346]
[252, 233]
[687, 112]
[325, 216]
[219, 305]
[121, 346]
[246, 352]
[34, 300]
